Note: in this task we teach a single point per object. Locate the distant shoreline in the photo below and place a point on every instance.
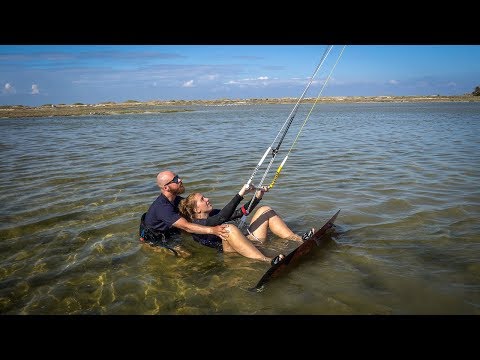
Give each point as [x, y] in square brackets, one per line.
[158, 106]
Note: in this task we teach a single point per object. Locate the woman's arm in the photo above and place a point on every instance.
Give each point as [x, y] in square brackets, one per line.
[224, 214]
[256, 199]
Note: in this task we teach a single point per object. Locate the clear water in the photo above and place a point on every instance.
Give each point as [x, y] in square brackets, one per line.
[405, 177]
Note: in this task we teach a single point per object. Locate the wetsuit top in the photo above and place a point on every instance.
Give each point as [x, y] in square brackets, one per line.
[217, 217]
[162, 214]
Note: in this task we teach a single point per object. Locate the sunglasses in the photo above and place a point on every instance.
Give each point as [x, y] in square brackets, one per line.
[174, 180]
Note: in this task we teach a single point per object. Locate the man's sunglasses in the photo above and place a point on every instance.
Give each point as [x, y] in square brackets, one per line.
[174, 180]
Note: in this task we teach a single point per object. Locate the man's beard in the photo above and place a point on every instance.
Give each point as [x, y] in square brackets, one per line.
[180, 190]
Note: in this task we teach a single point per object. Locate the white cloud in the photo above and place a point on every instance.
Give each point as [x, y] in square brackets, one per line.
[393, 82]
[188, 84]
[8, 89]
[35, 89]
[277, 83]
[255, 79]
[212, 77]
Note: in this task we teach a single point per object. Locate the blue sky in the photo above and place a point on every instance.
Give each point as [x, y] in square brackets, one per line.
[42, 74]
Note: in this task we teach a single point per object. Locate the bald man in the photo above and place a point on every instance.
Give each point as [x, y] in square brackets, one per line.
[163, 219]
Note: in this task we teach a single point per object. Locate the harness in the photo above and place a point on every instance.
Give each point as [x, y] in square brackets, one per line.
[152, 237]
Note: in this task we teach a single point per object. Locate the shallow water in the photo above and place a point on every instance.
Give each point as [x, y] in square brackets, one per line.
[405, 177]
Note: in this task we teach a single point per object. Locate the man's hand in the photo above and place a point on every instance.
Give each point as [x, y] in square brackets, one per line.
[221, 231]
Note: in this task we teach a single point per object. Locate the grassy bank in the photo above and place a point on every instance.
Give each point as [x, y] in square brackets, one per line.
[135, 107]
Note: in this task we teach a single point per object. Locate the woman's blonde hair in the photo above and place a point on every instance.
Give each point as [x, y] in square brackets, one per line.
[187, 207]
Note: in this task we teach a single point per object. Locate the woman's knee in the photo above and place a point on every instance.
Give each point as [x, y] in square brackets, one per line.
[263, 209]
[232, 228]
[263, 214]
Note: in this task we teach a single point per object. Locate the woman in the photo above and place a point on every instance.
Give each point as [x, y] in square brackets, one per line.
[198, 209]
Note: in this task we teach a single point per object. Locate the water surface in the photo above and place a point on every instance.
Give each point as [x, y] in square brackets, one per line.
[405, 177]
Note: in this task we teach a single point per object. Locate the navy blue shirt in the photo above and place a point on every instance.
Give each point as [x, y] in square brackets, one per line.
[162, 214]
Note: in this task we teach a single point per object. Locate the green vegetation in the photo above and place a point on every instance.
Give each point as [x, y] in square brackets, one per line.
[476, 92]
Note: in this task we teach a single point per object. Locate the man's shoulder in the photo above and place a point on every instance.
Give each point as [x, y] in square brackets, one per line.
[161, 199]
[162, 202]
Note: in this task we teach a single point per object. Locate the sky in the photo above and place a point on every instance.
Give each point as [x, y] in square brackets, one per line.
[35, 75]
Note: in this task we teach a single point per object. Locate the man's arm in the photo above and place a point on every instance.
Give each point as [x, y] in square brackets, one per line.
[218, 230]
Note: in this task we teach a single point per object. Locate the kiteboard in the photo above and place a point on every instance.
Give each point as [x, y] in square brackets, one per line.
[317, 239]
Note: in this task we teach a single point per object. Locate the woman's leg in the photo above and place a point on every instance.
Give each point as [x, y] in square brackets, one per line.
[266, 218]
[237, 242]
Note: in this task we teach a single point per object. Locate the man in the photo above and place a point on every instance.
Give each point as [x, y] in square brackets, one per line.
[162, 220]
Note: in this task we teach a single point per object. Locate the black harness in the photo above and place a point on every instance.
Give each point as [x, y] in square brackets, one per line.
[152, 237]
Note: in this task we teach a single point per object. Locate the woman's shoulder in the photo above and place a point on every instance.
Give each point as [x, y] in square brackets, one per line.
[214, 212]
[199, 221]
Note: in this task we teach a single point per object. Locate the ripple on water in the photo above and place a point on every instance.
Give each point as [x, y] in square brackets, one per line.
[409, 198]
